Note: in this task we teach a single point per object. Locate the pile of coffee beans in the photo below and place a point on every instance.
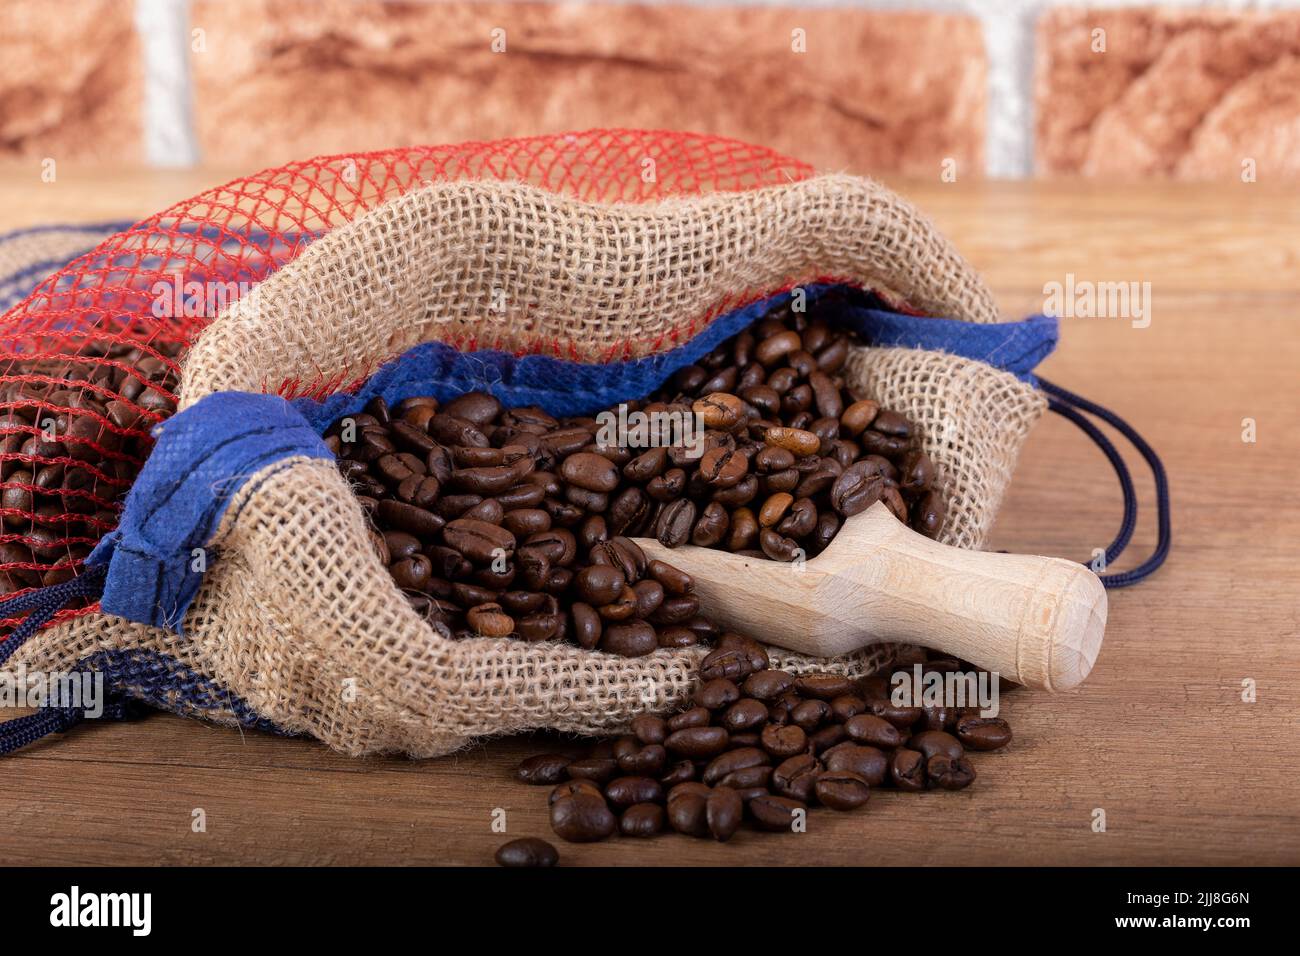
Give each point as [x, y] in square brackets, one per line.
[760, 746]
[790, 452]
[73, 435]
[511, 522]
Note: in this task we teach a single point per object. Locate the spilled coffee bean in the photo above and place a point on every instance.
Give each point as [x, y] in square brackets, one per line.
[764, 748]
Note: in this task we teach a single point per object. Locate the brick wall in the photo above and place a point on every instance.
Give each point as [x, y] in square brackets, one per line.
[1010, 88]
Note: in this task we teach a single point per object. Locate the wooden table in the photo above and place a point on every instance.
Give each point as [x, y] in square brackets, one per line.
[1159, 737]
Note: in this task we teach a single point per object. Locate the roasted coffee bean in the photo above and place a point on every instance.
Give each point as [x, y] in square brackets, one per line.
[907, 770]
[873, 731]
[719, 410]
[795, 777]
[646, 761]
[745, 715]
[641, 820]
[842, 790]
[928, 514]
[823, 686]
[904, 718]
[826, 737]
[809, 714]
[691, 717]
[723, 811]
[741, 758]
[775, 813]
[949, 773]
[478, 540]
[527, 852]
[582, 818]
[867, 762]
[682, 771]
[650, 729]
[570, 787]
[932, 742]
[784, 741]
[688, 814]
[698, 743]
[590, 471]
[595, 769]
[599, 584]
[625, 791]
[983, 733]
[717, 694]
[629, 638]
[856, 490]
[543, 769]
[675, 523]
[490, 621]
[796, 440]
[767, 685]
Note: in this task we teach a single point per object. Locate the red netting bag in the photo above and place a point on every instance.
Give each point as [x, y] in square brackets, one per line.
[605, 250]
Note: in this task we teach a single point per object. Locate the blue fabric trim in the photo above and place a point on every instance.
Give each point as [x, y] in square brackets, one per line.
[203, 456]
[574, 388]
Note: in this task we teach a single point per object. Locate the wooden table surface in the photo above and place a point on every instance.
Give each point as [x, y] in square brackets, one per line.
[1159, 737]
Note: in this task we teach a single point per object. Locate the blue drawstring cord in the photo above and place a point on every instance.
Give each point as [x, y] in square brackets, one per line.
[1070, 406]
[40, 606]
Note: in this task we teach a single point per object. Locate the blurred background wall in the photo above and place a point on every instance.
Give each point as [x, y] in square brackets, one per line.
[1017, 88]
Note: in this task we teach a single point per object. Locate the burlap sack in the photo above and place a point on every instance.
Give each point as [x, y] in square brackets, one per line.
[300, 624]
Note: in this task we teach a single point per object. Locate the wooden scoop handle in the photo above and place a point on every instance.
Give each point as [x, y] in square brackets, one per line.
[1037, 621]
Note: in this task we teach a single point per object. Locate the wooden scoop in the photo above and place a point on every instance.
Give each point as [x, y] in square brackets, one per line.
[1037, 621]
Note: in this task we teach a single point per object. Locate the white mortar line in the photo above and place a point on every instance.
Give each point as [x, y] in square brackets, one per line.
[164, 31]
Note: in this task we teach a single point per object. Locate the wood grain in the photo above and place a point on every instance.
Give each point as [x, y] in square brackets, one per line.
[1159, 736]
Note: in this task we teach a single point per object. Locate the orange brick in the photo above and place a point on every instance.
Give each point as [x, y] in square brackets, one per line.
[71, 85]
[875, 91]
[1177, 93]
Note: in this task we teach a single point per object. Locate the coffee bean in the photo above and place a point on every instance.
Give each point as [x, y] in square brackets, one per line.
[674, 524]
[933, 742]
[582, 818]
[784, 741]
[599, 584]
[646, 761]
[698, 743]
[650, 729]
[688, 814]
[691, 717]
[590, 471]
[527, 852]
[595, 769]
[542, 769]
[626, 791]
[767, 684]
[907, 770]
[842, 790]
[872, 730]
[823, 686]
[983, 733]
[717, 694]
[723, 813]
[719, 410]
[949, 773]
[630, 639]
[856, 490]
[571, 787]
[801, 443]
[478, 540]
[775, 813]
[796, 776]
[490, 621]
[741, 758]
[867, 762]
[641, 820]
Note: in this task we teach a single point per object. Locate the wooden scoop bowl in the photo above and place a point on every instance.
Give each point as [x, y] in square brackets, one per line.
[1037, 621]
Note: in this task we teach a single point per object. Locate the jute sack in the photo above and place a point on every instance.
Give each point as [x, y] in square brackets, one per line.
[299, 626]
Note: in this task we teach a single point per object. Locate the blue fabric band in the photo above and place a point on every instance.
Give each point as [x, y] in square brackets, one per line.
[573, 388]
[203, 456]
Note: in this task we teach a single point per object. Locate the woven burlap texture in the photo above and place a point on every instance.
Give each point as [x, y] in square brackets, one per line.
[514, 267]
[298, 616]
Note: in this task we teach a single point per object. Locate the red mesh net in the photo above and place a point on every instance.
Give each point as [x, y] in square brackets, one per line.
[89, 361]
